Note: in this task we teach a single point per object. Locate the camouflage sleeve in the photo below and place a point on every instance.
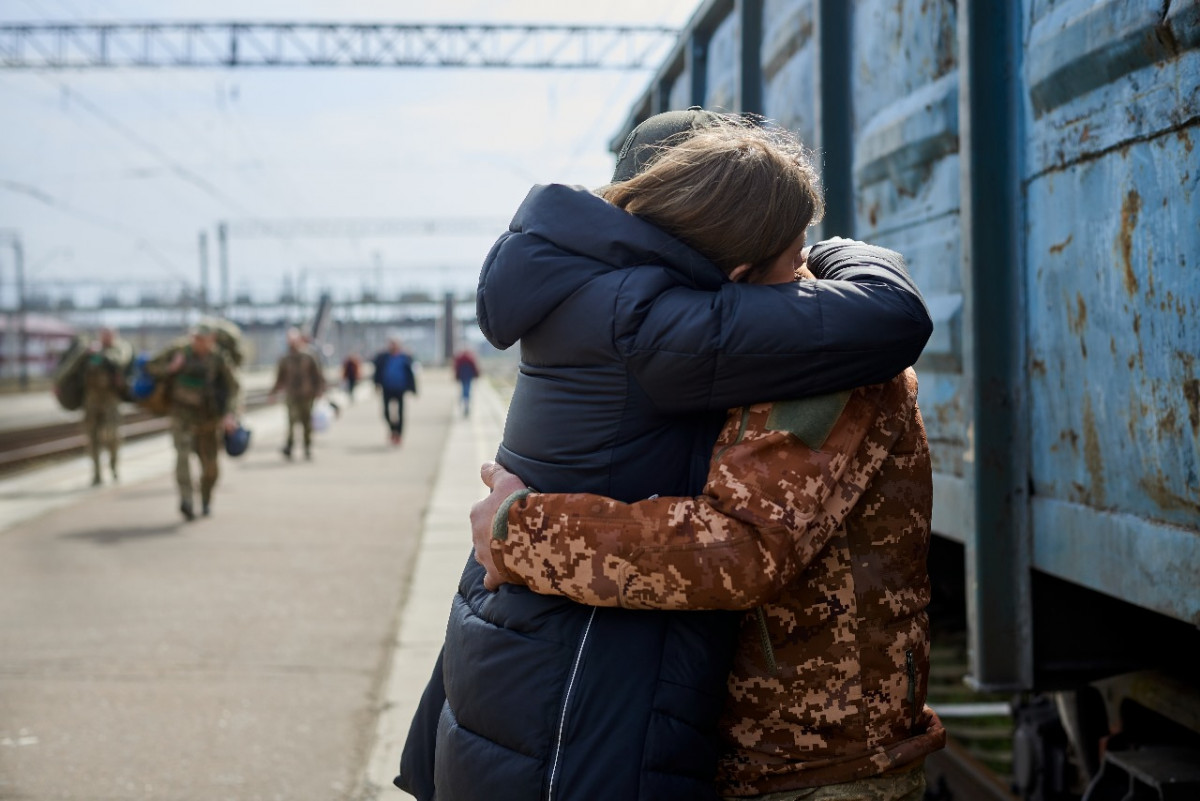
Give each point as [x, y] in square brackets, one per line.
[235, 403]
[770, 503]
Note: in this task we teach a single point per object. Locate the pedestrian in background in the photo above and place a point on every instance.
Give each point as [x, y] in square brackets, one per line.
[394, 378]
[103, 370]
[300, 377]
[204, 395]
[350, 371]
[466, 370]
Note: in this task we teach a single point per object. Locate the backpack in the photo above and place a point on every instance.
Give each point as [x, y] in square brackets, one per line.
[68, 375]
[230, 339]
[397, 374]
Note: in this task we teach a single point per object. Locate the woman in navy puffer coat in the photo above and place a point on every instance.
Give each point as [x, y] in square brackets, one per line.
[632, 348]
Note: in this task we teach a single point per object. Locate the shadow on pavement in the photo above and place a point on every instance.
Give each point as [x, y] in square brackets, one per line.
[46, 493]
[382, 448]
[148, 492]
[114, 536]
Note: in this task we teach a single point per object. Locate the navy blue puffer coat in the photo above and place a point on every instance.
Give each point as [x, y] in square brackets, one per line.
[632, 348]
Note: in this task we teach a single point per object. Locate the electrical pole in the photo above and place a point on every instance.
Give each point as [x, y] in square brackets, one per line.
[22, 329]
[204, 271]
[223, 257]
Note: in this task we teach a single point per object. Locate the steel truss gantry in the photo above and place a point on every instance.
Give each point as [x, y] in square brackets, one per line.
[292, 44]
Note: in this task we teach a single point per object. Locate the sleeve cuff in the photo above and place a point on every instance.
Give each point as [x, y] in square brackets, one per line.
[500, 521]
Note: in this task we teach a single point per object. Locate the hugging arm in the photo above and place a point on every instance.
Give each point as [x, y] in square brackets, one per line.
[768, 508]
[862, 322]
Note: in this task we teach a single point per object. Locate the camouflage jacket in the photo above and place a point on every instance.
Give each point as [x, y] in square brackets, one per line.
[299, 375]
[203, 390]
[815, 518]
[104, 375]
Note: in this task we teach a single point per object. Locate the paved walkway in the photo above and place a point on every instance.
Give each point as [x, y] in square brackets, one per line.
[276, 650]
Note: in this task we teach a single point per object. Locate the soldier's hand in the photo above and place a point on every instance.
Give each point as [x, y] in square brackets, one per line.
[176, 362]
[229, 423]
[502, 484]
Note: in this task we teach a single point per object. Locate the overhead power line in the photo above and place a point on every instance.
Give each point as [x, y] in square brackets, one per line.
[235, 44]
[364, 228]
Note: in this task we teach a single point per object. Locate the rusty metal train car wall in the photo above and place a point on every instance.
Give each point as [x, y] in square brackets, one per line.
[1035, 161]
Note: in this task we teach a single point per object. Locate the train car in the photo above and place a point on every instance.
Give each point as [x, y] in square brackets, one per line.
[1035, 163]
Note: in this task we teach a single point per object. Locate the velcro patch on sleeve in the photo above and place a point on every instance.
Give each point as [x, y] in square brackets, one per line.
[809, 419]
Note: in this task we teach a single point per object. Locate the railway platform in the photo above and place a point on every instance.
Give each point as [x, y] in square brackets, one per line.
[274, 650]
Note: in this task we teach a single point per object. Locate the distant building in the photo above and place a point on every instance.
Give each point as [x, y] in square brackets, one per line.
[46, 339]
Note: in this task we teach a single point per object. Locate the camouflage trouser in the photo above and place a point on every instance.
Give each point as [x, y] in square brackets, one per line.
[100, 423]
[300, 411]
[900, 785]
[202, 438]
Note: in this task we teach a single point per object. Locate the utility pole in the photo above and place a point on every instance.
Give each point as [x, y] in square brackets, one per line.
[223, 256]
[22, 329]
[22, 349]
[204, 271]
[450, 334]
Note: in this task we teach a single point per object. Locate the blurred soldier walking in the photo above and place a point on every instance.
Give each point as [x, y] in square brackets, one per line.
[300, 376]
[394, 377]
[103, 374]
[204, 394]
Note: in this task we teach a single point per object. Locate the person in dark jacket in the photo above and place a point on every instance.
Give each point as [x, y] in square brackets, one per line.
[394, 378]
[633, 345]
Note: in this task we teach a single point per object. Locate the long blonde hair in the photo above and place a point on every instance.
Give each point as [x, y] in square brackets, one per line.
[736, 192]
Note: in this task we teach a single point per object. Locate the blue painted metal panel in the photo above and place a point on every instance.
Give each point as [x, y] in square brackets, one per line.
[1114, 296]
[789, 92]
[1112, 244]
[724, 55]
[906, 173]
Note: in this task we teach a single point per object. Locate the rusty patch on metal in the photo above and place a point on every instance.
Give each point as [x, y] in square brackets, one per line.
[1186, 139]
[1092, 455]
[1156, 489]
[1058, 248]
[1167, 423]
[1038, 367]
[1130, 209]
[1191, 391]
[1078, 320]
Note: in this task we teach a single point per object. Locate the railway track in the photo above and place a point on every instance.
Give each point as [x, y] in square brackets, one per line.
[21, 449]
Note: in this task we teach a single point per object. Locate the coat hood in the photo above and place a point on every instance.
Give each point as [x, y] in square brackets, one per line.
[561, 238]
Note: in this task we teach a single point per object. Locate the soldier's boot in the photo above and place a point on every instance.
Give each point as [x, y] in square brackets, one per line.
[206, 503]
[112, 466]
[287, 450]
[185, 509]
[308, 450]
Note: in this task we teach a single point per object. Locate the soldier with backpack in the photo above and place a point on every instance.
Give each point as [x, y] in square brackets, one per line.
[204, 395]
[394, 378]
[92, 377]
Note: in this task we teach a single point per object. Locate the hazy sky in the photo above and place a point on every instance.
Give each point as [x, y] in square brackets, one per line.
[110, 175]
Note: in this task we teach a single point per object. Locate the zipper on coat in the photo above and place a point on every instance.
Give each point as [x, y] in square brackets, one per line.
[911, 668]
[562, 717]
[765, 637]
[741, 433]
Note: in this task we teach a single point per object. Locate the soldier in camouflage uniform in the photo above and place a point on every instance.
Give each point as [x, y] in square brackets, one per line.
[815, 519]
[103, 372]
[204, 394]
[300, 376]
